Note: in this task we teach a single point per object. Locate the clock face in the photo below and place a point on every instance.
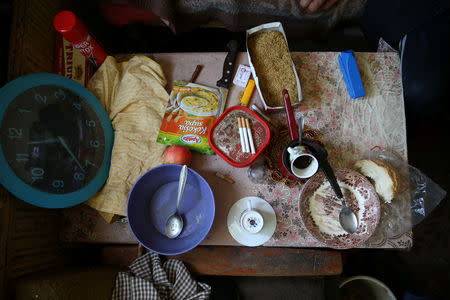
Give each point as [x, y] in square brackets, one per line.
[53, 139]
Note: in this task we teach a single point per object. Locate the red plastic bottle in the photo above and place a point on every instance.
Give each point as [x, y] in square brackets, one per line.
[73, 30]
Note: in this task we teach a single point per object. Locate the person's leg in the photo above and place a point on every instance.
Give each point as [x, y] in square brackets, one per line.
[426, 74]
[377, 21]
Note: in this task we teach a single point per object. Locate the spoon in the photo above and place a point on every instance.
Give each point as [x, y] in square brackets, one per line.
[300, 129]
[347, 217]
[174, 224]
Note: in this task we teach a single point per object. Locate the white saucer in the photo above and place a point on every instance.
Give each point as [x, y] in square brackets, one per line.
[243, 237]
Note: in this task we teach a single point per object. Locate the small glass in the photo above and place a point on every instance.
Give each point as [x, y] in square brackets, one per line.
[257, 171]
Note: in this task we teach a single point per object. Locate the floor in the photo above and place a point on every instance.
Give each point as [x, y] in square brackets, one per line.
[423, 270]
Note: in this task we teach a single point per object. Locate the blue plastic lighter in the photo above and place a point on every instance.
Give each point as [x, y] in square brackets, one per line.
[350, 71]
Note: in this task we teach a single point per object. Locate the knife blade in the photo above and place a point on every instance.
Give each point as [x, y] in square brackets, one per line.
[227, 74]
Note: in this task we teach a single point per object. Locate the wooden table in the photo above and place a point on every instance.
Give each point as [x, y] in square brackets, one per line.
[349, 128]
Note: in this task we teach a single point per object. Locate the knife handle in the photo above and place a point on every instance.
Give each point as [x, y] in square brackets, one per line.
[228, 65]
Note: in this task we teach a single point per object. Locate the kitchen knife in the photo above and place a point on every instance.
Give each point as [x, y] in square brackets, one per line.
[227, 75]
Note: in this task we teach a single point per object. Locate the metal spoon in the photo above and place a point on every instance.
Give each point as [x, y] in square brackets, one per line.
[347, 217]
[301, 122]
[174, 224]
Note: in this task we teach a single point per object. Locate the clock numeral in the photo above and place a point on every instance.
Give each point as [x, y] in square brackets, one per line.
[77, 105]
[90, 123]
[23, 110]
[94, 144]
[22, 157]
[59, 94]
[14, 133]
[78, 176]
[37, 174]
[57, 184]
[39, 98]
[88, 163]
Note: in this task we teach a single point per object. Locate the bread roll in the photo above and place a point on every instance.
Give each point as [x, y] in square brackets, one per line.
[382, 175]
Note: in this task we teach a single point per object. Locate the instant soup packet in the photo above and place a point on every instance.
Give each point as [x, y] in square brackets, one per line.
[191, 112]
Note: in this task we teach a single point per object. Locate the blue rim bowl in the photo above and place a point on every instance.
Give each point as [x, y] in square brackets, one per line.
[153, 199]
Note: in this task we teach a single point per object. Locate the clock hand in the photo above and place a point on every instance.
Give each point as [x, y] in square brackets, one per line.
[61, 140]
[43, 141]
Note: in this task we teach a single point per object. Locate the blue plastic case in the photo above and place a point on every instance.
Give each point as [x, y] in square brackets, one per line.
[350, 71]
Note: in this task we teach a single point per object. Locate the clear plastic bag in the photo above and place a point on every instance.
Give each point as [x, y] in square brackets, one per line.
[415, 199]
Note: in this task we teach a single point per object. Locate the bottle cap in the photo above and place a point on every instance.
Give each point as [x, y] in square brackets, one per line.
[70, 26]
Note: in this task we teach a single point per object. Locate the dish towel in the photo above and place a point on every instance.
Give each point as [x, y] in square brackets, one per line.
[149, 280]
[134, 96]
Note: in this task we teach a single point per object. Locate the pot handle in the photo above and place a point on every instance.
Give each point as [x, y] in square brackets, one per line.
[293, 130]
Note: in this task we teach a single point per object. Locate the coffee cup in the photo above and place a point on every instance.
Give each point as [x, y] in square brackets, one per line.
[303, 163]
[251, 220]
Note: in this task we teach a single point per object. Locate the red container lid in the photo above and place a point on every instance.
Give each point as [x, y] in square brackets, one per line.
[224, 138]
[70, 26]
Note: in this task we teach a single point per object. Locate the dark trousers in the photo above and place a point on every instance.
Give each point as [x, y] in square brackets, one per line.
[426, 68]
[425, 55]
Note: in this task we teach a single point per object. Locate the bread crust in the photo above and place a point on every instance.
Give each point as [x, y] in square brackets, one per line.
[388, 169]
[392, 173]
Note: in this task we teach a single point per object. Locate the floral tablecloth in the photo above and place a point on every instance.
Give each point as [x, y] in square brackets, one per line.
[348, 128]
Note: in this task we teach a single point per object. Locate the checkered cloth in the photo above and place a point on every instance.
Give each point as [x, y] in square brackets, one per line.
[148, 279]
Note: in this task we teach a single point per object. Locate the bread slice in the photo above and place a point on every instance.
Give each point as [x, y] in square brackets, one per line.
[382, 175]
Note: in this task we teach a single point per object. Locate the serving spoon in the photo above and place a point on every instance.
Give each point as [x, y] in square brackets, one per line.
[174, 224]
[347, 217]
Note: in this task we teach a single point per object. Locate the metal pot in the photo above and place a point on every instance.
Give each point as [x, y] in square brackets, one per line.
[284, 162]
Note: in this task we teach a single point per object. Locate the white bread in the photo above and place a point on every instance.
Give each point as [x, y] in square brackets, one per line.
[382, 175]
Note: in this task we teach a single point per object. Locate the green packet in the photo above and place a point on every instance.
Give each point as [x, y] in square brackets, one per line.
[190, 113]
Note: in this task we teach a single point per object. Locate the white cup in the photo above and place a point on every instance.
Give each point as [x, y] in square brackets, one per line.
[251, 220]
[303, 163]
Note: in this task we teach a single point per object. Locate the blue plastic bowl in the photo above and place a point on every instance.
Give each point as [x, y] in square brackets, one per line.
[153, 199]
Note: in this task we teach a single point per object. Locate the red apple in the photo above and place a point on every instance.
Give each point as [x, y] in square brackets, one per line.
[177, 154]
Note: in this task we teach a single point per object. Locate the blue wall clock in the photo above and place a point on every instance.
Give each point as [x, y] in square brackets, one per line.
[55, 141]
